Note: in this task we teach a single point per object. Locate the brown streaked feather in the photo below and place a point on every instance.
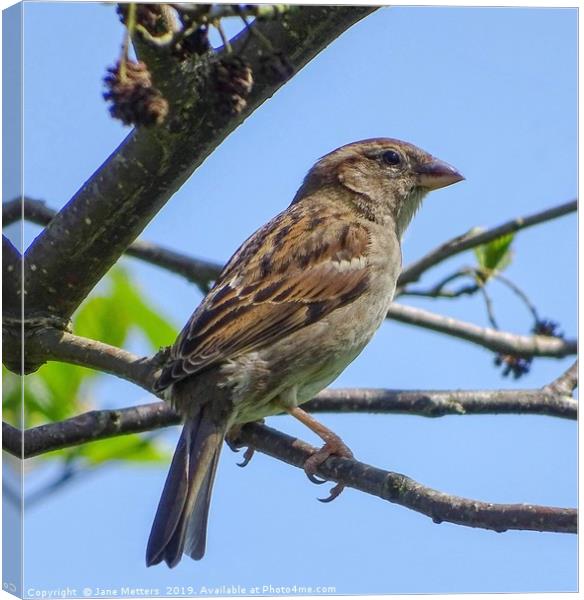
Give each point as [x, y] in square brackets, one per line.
[285, 277]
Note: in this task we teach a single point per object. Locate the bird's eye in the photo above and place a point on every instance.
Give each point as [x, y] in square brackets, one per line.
[391, 157]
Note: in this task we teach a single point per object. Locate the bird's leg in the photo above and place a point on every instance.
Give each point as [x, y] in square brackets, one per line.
[333, 445]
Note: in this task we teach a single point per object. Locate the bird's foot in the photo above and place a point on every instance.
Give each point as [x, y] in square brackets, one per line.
[334, 446]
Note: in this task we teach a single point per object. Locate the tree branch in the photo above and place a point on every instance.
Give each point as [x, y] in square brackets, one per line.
[13, 441]
[397, 488]
[88, 427]
[566, 383]
[11, 279]
[403, 490]
[100, 424]
[492, 339]
[29, 209]
[466, 241]
[49, 343]
[110, 210]
[390, 486]
[553, 400]
[196, 270]
[439, 403]
[12, 307]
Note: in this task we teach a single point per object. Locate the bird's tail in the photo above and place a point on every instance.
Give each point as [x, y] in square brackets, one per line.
[180, 524]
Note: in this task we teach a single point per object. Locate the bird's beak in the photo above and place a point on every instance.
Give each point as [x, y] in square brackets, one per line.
[436, 174]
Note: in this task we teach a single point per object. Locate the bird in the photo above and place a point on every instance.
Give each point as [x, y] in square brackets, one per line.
[295, 304]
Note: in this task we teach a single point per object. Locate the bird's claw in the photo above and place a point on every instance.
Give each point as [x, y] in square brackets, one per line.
[247, 456]
[232, 439]
[333, 493]
[314, 479]
[334, 447]
[232, 446]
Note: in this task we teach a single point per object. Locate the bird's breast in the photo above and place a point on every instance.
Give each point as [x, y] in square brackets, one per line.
[300, 365]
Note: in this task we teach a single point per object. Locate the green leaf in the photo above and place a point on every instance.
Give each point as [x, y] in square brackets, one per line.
[62, 383]
[133, 447]
[157, 330]
[58, 391]
[50, 394]
[104, 319]
[495, 255]
[11, 397]
[110, 317]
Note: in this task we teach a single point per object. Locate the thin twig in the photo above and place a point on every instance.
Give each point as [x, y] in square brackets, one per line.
[29, 209]
[489, 307]
[198, 271]
[470, 240]
[128, 34]
[438, 291]
[519, 293]
[226, 45]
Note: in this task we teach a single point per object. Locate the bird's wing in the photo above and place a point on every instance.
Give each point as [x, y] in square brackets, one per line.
[292, 272]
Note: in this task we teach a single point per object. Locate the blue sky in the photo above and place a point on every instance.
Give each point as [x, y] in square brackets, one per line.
[491, 91]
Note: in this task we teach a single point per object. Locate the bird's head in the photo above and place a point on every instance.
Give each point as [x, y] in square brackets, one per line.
[387, 178]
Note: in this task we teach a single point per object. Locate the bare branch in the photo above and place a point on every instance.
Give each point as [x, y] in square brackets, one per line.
[196, 270]
[11, 279]
[439, 403]
[566, 383]
[13, 440]
[12, 212]
[492, 339]
[466, 241]
[393, 487]
[90, 233]
[87, 427]
[53, 344]
[403, 490]
[439, 290]
[390, 486]
[12, 306]
[95, 425]
[30, 209]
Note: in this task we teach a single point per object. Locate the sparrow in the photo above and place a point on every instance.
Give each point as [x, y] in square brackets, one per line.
[296, 303]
